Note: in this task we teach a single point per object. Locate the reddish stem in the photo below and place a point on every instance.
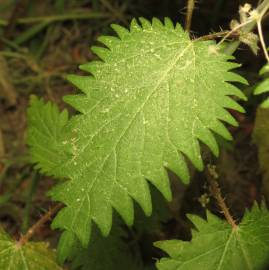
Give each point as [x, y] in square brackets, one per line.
[47, 216]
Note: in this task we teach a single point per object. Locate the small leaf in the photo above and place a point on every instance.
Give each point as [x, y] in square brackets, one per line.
[217, 246]
[44, 135]
[263, 86]
[251, 40]
[264, 70]
[31, 256]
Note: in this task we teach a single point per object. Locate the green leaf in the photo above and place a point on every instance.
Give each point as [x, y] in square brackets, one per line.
[151, 99]
[217, 246]
[68, 245]
[160, 214]
[108, 253]
[263, 86]
[43, 134]
[264, 69]
[31, 256]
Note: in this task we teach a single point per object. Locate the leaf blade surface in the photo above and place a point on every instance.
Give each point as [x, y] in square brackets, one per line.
[216, 245]
[149, 102]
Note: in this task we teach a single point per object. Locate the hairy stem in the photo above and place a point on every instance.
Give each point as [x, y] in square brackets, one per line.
[240, 26]
[46, 217]
[190, 8]
[212, 177]
[262, 8]
[216, 35]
